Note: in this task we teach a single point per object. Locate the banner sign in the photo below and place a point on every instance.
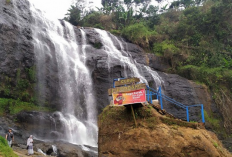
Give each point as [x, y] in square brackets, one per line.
[126, 81]
[127, 88]
[132, 97]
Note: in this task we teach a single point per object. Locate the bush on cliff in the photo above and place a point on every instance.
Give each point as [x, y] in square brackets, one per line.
[5, 150]
[138, 33]
[12, 106]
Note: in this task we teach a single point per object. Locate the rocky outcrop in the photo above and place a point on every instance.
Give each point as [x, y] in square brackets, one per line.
[16, 50]
[156, 135]
[56, 148]
[64, 149]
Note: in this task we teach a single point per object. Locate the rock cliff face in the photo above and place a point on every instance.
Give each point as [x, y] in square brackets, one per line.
[156, 135]
[106, 60]
[16, 48]
[17, 58]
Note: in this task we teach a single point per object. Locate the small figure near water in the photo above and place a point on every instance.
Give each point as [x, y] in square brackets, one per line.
[30, 145]
[9, 137]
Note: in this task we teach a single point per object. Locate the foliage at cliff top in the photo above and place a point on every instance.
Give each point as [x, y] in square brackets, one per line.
[5, 150]
[196, 40]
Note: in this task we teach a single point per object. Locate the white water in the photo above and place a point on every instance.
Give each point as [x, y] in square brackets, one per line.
[90, 99]
[84, 44]
[54, 148]
[126, 59]
[40, 151]
[114, 53]
[55, 44]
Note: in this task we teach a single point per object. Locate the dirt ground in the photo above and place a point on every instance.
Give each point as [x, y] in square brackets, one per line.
[23, 153]
[155, 135]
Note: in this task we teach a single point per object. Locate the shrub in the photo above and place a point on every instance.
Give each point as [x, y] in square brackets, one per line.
[12, 106]
[213, 121]
[138, 33]
[5, 150]
[8, 1]
[165, 47]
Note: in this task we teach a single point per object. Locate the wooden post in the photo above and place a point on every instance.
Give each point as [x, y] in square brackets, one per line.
[132, 110]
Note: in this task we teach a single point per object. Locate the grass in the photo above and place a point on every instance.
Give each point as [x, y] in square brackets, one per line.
[8, 1]
[215, 144]
[152, 122]
[213, 121]
[12, 106]
[5, 150]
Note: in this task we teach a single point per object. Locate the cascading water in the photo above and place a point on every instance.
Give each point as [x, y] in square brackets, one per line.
[61, 63]
[54, 148]
[114, 53]
[126, 60]
[56, 49]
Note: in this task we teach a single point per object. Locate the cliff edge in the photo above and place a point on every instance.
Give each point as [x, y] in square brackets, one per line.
[155, 135]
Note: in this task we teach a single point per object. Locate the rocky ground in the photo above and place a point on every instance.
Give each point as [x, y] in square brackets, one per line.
[23, 153]
[156, 135]
[62, 149]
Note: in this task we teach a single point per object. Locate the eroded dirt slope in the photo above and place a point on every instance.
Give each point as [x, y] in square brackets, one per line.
[156, 135]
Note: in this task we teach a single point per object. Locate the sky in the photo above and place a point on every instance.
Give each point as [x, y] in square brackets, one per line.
[58, 8]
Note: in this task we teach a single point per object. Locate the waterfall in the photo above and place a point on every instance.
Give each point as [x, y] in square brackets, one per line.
[125, 59]
[58, 53]
[64, 80]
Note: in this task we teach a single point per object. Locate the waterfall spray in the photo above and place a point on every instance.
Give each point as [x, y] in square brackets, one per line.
[61, 50]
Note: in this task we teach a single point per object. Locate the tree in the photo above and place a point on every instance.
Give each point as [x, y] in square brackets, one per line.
[111, 3]
[185, 3]
[74, 15]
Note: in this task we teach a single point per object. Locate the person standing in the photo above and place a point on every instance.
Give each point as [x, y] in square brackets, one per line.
[9, 137]
[30, 145]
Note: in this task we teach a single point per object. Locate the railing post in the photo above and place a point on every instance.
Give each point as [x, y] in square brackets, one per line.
[158, 94]
[187, 111]
[150, 95]
[160, 98]
[202, 113]
[147, 95]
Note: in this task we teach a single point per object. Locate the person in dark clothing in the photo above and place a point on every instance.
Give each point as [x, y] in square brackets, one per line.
[9, 137]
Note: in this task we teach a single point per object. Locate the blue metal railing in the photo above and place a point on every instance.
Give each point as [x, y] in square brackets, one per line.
[150, 92]
[117, 80]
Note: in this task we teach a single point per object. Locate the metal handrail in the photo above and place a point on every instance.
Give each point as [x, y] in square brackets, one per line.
[150, 92]
[160, 96]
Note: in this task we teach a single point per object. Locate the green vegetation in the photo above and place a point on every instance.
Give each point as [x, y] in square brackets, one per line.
[213, 121]
[17, 93]
[8, 1]
[215, 144]
[138, 33]
[5, 150]
[12, 106]
[196, 41]
[20, 87]
[152, 122]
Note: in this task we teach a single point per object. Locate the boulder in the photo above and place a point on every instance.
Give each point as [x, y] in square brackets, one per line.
[64, 149]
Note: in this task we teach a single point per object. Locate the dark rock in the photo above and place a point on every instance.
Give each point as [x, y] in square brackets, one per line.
[97, 61]
[40, 124]
[64, 149]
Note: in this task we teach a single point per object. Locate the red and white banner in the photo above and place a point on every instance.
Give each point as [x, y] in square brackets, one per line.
[132, 97]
